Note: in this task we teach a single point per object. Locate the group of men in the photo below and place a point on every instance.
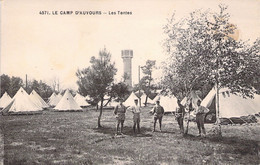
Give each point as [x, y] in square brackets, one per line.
[158, 113]
[120, 111]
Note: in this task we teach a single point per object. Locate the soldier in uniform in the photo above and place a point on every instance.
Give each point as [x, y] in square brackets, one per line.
[136, 110]
[179, 114]
[120, 111]
[158, 112]
[200, 117]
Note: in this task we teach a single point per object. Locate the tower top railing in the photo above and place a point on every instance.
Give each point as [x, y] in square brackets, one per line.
[127, 53]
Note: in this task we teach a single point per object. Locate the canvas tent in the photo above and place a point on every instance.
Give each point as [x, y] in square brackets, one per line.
[5, 100]
[21, 102]
[59, 96]
[256, 102]
[67, 103]
[51, 97]
[157, 97]
[191, 98]
[112, 103]
[130, 100]
[141, 93]
[36, 98]
[168, 103]
[81, 100]
[143, 97]
[54, 99]
[231, 105]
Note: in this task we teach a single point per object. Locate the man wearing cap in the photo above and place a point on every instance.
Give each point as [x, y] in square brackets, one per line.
[136, 110]
[158, 112]
[119, 111]
[200, 113]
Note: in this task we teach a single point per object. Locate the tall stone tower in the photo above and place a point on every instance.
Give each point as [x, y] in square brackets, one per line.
[127, 56]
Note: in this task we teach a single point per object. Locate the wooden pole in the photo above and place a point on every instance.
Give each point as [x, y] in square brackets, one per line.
[139, 85]
[217, 99]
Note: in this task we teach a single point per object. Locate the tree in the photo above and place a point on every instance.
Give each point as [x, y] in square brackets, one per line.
[202, 52]
[125, 77]
[145, 82]
[56, 84]
[41, 88]
[15, 84]
[45, 90]
[119, 91]
[5, 83]
[34, 85]
[96, 80]
[12, 85]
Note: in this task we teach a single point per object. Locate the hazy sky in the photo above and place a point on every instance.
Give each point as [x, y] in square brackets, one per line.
[49, 46]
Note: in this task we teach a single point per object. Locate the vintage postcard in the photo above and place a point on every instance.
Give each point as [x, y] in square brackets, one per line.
[129, 82]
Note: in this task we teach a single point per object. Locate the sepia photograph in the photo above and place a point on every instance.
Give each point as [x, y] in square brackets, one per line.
[96, 82]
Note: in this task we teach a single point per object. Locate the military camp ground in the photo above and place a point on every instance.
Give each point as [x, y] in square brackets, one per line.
[63, 131]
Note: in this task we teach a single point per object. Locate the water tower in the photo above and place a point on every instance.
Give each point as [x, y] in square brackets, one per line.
[127, 56]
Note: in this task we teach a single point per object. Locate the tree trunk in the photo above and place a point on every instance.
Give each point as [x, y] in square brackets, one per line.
[145, 100]
[186, 121]
[109, 100]
[218, 129]
[100, 114]
[149, 84]
[96, 107]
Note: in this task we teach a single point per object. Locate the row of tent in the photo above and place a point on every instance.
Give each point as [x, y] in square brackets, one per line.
[78, 98]
[231, 105]
[23, 102]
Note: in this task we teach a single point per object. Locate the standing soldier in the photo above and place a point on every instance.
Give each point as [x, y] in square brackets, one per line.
[136, 110]
[158, 112]
[200, 117]
[180, 111]
[119, 111]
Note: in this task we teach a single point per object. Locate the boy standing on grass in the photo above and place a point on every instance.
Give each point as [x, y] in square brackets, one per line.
[136, 110]
[200, 116]
[158, 112]
[119, 111]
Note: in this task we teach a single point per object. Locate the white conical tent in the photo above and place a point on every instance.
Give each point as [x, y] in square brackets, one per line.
[36, 98]
[51, 97]
[143, 97]
[256, 102]
[231, 105]
[113, 103]
[22, 103]
[191, 98]
[130, 100]
[81, 100]
[157, 97]
[54, 99]
[59, 95]
[67, 102]
[5, 100]
[168, 103]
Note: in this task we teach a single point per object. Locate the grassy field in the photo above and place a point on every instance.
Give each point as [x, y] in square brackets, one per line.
[1, 148]
[72, 138]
